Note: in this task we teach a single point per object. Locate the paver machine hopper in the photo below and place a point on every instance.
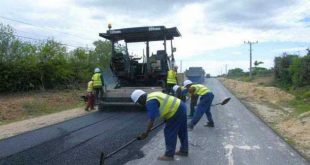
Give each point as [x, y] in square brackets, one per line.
[129, 72]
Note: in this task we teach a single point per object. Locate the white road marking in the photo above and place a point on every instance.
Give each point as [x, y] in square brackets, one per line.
[229, 154]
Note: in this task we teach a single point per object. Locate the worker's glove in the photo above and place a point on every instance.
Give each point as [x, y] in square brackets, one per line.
[142, 136]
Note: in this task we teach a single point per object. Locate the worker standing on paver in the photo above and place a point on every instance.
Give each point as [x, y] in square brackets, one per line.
[173, 111]
[90, 96]
[204, 105]
[181, 92]
[97, 84]
[171, 79]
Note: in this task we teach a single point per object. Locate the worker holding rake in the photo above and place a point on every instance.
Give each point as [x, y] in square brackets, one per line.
[173, 111]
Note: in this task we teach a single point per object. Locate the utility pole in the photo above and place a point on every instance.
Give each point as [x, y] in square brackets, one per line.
[226, 70]
[181, 66]
[250, 43]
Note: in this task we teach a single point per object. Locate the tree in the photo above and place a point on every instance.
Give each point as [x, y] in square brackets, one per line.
[256, 63]
[235, 72]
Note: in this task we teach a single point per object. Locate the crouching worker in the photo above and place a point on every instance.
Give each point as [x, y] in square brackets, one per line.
[204, 105]
[180, 92]
[90, 96]
[173, 111]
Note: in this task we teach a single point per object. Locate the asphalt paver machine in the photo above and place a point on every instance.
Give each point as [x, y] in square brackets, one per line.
[129, 72]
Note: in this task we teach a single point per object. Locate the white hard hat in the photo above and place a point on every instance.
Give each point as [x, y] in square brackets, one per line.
[136, 94]
[97, 70]
[175, 88]
[187, 82]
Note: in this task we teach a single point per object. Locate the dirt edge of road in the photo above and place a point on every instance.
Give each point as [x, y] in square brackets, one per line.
[268, 103]
[12, 129]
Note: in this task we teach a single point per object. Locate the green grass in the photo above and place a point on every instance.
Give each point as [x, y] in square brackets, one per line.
[302, 101]
[300, 106]
[38, 108]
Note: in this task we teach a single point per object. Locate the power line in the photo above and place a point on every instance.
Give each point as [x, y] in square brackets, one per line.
[50, 28]
[36, 39]
[43, 40]
[17, 31]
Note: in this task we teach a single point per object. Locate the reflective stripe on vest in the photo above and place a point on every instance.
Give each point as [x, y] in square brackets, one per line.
[200, 89]
[168, 105]
[90, 86]
[171, 77]
[97, 80]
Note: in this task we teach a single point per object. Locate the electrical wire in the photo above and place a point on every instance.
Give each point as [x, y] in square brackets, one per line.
[45, 28]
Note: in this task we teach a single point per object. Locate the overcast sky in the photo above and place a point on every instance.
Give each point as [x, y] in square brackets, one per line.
[213, 31]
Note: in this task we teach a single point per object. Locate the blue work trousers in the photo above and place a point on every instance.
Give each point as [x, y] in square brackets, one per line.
[204, 106]
[176, 126]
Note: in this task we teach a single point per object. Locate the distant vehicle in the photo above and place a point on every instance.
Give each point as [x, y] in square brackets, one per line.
[195, 74]
[147, 72]
[208, 75]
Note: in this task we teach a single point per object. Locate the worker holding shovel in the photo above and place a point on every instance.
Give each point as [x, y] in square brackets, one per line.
[173, 111]
[204, 105]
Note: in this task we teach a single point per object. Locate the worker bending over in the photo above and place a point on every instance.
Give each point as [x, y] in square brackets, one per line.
[171, 79]
[173, 111]
[97, 84]
[181, 92]
[204, 105]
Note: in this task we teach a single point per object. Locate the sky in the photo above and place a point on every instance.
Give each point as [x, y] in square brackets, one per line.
[213, 31]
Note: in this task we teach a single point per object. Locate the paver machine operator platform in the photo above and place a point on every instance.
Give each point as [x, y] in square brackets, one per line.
[130, 72]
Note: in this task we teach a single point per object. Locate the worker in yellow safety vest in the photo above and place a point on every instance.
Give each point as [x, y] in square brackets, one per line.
[171, 79]
[98, 83]
[204, 105]
[90, 96]
[173, 111]
[181, 92]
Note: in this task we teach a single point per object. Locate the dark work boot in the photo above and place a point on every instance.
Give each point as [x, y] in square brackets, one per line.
[209, 124]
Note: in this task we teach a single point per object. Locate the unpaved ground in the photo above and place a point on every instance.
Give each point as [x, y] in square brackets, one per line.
[21, 106]
[270, 104]
[19, 127]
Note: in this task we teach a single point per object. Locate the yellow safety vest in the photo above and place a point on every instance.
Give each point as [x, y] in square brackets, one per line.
[168, 104]
[171, 77]
[200, 89]
[97, 80]
[90, 86]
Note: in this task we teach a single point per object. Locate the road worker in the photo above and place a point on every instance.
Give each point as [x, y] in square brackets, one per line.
[97, 84]
[171, 79]
[90, 96]
[173, 111]
[204, 105]
[181, 92]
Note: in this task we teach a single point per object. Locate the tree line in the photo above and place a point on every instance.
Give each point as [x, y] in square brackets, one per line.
[289, 70]
[47, 64]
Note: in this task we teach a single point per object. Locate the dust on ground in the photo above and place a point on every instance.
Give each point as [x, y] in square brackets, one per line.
[19, 127]
[270, 104]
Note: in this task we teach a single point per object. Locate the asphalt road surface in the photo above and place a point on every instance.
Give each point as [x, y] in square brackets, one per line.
[77, 141]
[238, 138]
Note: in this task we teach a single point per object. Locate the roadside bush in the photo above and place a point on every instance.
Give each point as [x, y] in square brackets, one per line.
[237, 72]
[292, 70]
[27, 66]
